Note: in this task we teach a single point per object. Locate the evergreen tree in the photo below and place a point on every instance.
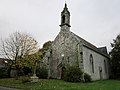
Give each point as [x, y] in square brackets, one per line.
[115, 57]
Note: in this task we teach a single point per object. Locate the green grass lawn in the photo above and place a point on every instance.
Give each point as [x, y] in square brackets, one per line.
[61, 85]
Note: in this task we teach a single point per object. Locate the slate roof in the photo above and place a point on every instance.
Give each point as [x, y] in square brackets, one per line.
[103, 49]
[91, 46]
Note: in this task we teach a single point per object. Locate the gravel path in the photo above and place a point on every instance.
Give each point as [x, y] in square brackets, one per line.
[5, 88]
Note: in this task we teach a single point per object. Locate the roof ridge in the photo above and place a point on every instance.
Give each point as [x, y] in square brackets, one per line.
[89, 45]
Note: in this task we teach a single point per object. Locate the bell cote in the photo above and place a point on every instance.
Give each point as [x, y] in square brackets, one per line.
[65, 17]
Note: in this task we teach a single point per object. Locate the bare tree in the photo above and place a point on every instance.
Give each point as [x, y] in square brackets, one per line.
[17, 46]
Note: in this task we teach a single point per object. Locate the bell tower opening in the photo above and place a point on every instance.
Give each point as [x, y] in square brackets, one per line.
[65, 17]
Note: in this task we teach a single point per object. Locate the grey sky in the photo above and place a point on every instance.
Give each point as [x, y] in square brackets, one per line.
[97, 21]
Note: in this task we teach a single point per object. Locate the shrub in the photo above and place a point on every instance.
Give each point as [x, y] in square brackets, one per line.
[24, 79]
[20, 72]
[73, 74]
[42, 72]
[87, 77]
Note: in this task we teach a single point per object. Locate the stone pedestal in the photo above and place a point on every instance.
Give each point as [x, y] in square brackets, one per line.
[34, 78]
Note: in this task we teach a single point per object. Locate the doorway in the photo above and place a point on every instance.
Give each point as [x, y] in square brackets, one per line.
[62, 73]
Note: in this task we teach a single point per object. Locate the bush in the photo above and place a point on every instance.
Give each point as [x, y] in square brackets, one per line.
[20, 72]
[87, 77]
[24, 79]
[73, 74]
[42, 72]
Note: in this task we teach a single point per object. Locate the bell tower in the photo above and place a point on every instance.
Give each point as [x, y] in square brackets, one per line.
[65, 19]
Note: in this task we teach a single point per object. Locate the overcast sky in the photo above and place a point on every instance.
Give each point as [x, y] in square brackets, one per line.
[97, 21]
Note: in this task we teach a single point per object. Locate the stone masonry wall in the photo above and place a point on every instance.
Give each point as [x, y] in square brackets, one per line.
[98, 61]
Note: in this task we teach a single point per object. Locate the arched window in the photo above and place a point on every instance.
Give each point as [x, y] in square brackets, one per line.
[105, 65]
[57, 61]
[48, 60]
[68, 60]
[91, 63]
[63, 19]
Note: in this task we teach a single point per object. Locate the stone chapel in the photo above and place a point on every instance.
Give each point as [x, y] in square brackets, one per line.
[70, 49]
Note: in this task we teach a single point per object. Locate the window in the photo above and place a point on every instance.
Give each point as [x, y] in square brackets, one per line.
[105, 65]
[68, 60]
[48, 60]
[63, 19]
[51, 52]
[91, 63]
[57, 61]
[81, 55]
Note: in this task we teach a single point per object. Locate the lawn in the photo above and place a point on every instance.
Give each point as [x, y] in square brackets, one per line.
[45, 84]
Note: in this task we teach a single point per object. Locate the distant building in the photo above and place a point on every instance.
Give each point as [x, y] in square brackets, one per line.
[70, 49]
[3, 63]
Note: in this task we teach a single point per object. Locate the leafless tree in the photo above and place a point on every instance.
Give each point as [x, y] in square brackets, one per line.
[18, 45]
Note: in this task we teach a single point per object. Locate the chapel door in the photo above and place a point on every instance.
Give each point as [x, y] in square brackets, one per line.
[62, 72]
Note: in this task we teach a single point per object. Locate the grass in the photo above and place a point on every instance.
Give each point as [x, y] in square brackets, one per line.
[45, 84]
